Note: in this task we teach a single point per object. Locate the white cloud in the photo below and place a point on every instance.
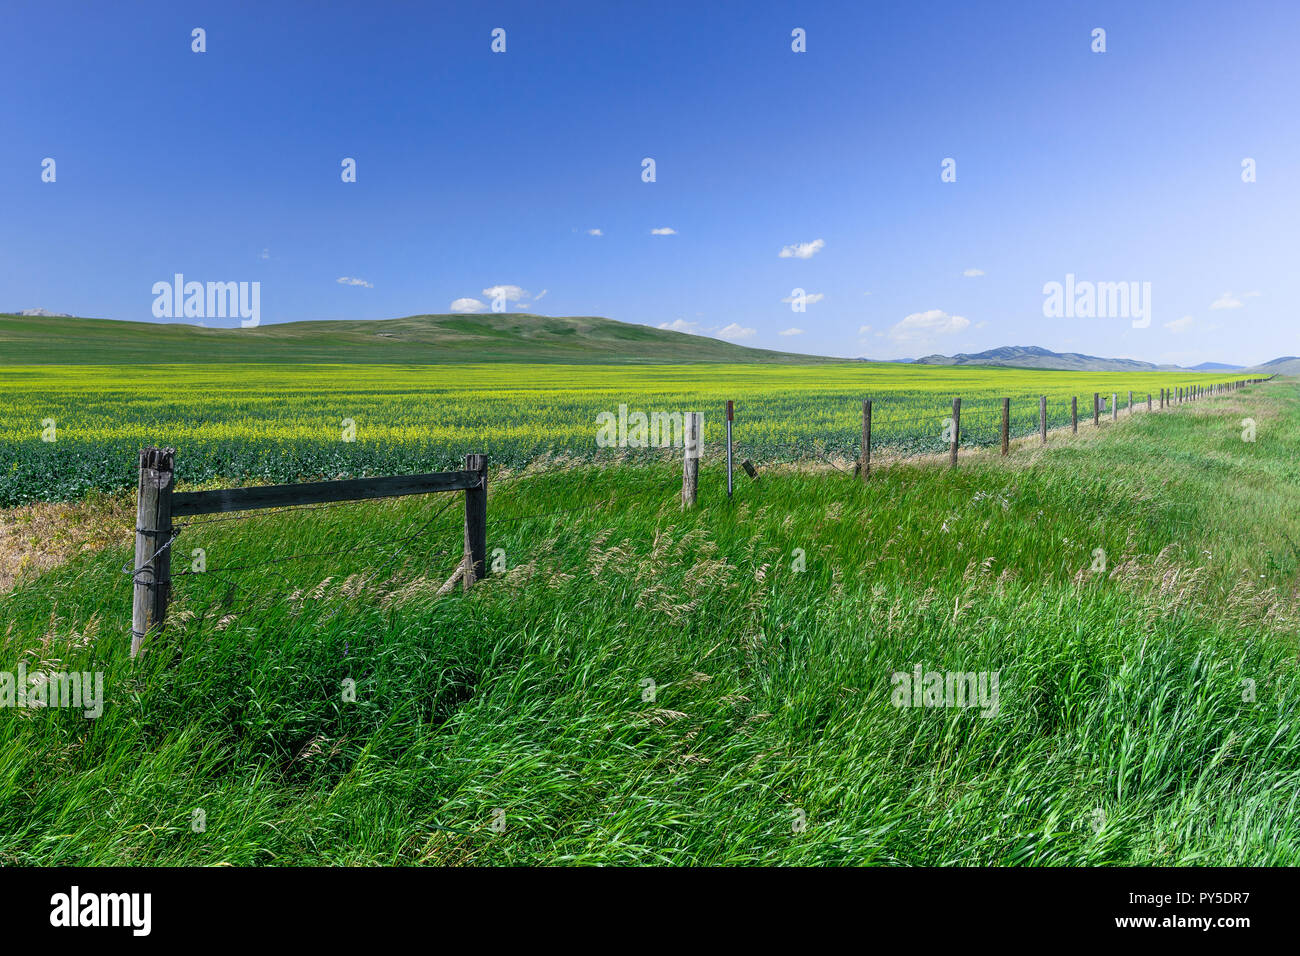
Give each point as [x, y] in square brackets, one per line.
[349, 280]
[541, 295]
[1251, 295]
[594, 232]
[681, 325]
[665, 231]
[980, 325]
[863, 329]
[734, 331]
[790, 332]
[1179, 325]
[1226, 301]
[972, 273]
[510, 293]
[811, 298]
[803, 250]
[920, 326]
[467, 305]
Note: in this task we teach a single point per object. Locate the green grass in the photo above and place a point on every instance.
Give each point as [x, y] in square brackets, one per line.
[420, 339]
[1121, 693]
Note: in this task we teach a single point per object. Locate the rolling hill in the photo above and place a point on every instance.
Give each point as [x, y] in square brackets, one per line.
[415, 340]
[38, 337]
[1286, 365]
[1032, 356]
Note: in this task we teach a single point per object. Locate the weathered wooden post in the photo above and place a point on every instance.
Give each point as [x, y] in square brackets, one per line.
[956, 431]
[1096, 409]
[864, 454]
[729, 419]
[1042, 417]
[1130, 401]
[476, 567]
[153, 537]
[1114, 408]
[1006, 425]
[1074, 414]
[691, 459]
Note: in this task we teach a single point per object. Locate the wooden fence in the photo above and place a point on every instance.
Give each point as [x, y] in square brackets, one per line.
[1168, 397]
[157, 506]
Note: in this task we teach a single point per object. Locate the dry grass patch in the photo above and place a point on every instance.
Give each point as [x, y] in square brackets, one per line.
[43, 535]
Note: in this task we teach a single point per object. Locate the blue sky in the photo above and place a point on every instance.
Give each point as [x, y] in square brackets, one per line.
[478, 170]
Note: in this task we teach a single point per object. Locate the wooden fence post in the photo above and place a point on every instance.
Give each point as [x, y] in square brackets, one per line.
[1148, 401]
[1074, 414]
[1042, 417]
[1006, 425]
[1096, 409]
[730, 413]
[1114, 408]
[691, 459]
[1130, 401]
[476, 568]
[956, 431]
[864, 459]
[152, 575]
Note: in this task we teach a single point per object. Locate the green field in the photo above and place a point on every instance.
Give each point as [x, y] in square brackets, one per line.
[242, 422]
[1146, 715]
[426, 339]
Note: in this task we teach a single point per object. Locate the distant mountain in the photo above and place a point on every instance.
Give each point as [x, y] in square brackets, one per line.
[416, 340]
[53, 315]
[1032, 356]
[1286, 365]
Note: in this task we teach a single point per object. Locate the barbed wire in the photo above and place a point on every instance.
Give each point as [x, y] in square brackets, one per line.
[1026, 426]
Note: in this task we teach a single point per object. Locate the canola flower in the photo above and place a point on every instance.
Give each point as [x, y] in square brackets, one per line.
[68, 430]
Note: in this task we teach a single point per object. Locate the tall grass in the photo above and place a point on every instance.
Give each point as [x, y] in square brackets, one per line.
[1146, 716]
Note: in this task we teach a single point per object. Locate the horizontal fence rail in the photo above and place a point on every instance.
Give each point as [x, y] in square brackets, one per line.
[157, 505]
[319, 492]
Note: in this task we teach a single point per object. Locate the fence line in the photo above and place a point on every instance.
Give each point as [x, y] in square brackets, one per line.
[158, 505]
[952, 431]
